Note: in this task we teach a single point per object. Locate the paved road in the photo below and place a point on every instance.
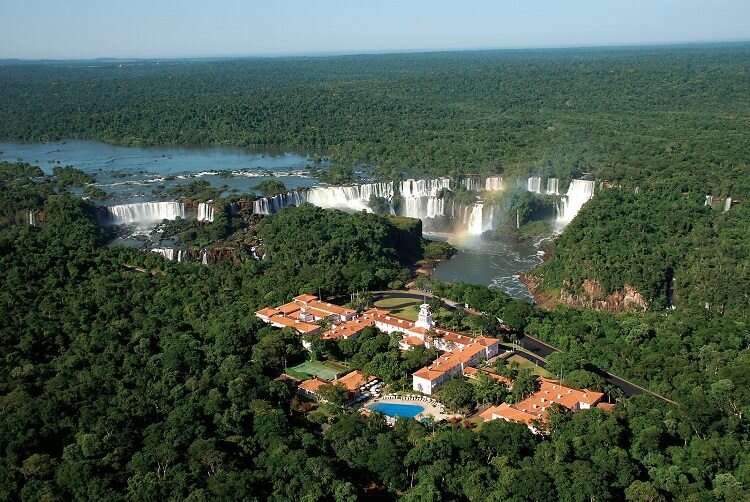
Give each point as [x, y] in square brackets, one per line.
[541, 350]
[537, 349]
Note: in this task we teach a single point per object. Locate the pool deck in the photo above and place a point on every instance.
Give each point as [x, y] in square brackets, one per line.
[432, 408]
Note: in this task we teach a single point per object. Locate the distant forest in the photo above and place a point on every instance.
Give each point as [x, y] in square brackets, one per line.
[668, 116]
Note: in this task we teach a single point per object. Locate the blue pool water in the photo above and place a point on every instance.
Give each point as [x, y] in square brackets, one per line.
[397, 410]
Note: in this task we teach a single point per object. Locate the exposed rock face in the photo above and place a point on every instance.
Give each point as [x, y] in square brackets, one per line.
[590, 295]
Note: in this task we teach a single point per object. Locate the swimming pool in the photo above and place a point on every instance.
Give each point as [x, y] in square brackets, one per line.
[397, 410]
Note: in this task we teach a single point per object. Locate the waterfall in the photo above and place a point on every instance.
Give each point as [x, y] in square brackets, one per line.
[144, 213]
[423, 188]
[421, 197]
[553, 186]
[472, 184]
[205, 211]
[579, 192]
[167, 253]
[534, 184]
[348, 198]
[351, 197]
[180, 256]
[204, 257]
[271, 205]
[32, 218]
[493, 183]
[478, 218]
[727, 204]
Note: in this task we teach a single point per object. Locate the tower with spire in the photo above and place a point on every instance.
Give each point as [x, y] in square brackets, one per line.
[424, 320]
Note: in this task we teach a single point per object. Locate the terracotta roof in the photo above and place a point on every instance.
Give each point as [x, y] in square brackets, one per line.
[384, 317]
[428, 374]
[288, 308]
[313, 385]
[535, 406]
[347, 329]
[267, 312]
[354, 380]
[449, 361]
[508, 412]
[330, 308]
[301, 326]
[305, 298]
[414, 341]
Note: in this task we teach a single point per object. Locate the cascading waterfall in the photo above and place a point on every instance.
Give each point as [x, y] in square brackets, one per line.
[475, 220]
[472, 184]
[167, 253]
[493, 183]
[32, 219]
[351, 197]
[144, 213]
[205, 211]
[579, 192]
[271, 205]
[534, 184]
[553, 186]
[423, 188]
[421, 198]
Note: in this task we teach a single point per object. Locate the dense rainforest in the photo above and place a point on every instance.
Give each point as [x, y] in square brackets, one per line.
[672, 123]
[632, 115]
[127, 377]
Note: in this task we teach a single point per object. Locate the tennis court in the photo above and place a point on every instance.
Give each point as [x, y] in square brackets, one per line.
[327, 370]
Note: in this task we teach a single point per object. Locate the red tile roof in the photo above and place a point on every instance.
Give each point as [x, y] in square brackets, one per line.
[354, 380]
[301, 326]
[347, 329]
[313, 385]
[550, 392]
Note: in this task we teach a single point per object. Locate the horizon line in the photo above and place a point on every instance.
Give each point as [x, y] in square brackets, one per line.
[385, 52]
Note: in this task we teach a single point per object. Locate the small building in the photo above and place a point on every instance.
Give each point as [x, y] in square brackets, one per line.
[304, 313]
[533, 409]
[347, 330]
[309, 388]
[356, 383]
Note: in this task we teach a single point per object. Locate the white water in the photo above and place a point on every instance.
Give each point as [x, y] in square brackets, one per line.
[534, 184]
[167, 253]
[144, 213]
[475, 225]
[579, 193]
[472, 184]
[205, 211]
[553, 186]
[352, 197]
[493, 183]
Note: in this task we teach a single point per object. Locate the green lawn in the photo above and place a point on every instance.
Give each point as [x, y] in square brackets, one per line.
[396, 303]
[525, 363]
[327, 370]
[410, 313]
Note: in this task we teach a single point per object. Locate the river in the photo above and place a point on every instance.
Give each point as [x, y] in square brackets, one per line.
[140, 174]
[137, 174]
